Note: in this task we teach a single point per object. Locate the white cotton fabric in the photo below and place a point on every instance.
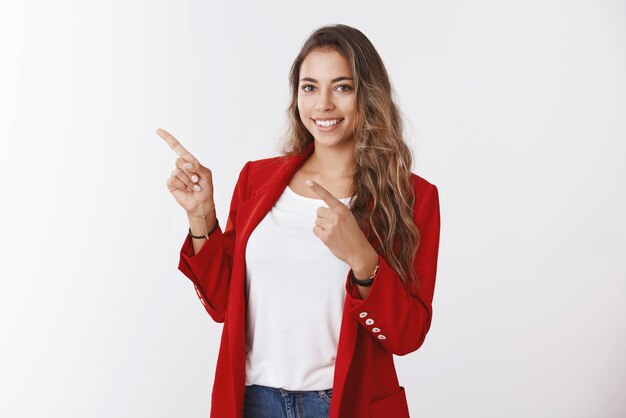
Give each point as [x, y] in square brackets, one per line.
[295, 288]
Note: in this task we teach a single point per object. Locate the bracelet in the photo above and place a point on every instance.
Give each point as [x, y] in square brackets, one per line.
[203, 218]
[207, 234]
[364, 282]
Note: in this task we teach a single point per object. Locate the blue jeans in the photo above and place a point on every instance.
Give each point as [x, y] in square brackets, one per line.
[267, 402]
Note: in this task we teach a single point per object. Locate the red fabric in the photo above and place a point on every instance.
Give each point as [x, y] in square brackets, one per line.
[365, 383]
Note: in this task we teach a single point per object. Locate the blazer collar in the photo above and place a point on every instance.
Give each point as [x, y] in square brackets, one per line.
[280, 174]
[267, 184]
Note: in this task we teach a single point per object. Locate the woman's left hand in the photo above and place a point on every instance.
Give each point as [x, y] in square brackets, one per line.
[337, 227]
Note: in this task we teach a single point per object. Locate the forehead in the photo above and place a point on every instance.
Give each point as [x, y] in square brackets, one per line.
[324, 65]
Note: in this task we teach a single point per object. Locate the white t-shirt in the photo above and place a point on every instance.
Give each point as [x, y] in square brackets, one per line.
[295, 288]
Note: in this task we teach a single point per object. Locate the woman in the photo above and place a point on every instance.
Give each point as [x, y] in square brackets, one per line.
[318, 283]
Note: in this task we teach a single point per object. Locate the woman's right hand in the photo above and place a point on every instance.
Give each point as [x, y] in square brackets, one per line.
[192, 186]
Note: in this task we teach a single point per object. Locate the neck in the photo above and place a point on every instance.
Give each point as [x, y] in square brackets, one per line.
[332, 161]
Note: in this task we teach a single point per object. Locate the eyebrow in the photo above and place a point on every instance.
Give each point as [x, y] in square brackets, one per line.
[334, 80]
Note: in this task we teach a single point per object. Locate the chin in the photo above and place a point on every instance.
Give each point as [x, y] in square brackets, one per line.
[330, 141]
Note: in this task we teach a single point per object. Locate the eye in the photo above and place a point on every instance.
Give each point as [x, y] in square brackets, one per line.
[305, 86]
[348, 88]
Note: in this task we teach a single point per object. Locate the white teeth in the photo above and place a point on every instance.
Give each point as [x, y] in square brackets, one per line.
[326, 123]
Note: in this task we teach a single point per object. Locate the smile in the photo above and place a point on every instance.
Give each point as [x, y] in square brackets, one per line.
[328, 122]
[327, 125]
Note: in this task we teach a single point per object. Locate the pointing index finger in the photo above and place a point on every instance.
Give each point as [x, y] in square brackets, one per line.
[173, 143]
[326, 196]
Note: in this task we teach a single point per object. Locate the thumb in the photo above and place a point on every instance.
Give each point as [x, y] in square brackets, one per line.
[194, 166]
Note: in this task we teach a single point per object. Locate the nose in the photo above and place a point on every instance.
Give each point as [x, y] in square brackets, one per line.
[324, 102]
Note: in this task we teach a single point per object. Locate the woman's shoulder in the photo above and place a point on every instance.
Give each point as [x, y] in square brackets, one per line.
[422, 188]
[420, 183]
[268, 161]
[258, 173]
[271, 165]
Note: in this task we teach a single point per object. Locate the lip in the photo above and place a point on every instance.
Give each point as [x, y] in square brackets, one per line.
[329, 128]
[314, 119]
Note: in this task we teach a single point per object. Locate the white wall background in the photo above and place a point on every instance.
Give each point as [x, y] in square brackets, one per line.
[515, 110]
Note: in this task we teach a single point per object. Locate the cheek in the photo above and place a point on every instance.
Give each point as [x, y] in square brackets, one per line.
[349, 105]
[303, 103]
[305, 109]
[301, 112]
[301, 107]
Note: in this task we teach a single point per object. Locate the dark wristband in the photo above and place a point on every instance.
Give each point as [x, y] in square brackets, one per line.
[364, 282]
[207, 234]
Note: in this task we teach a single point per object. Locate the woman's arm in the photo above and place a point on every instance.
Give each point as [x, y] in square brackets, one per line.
[395, 316]
[209, 269]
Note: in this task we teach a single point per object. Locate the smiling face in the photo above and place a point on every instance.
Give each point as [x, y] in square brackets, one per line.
[326, 97]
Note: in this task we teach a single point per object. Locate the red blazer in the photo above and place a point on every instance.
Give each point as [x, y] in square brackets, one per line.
[391, 320]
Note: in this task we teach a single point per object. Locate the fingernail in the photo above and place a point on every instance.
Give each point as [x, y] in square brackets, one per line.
[309, 182]
[194, 178]
[188, 166]
[196, 188]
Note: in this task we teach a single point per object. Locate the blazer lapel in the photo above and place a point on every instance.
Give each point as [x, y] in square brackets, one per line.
[267, 187]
